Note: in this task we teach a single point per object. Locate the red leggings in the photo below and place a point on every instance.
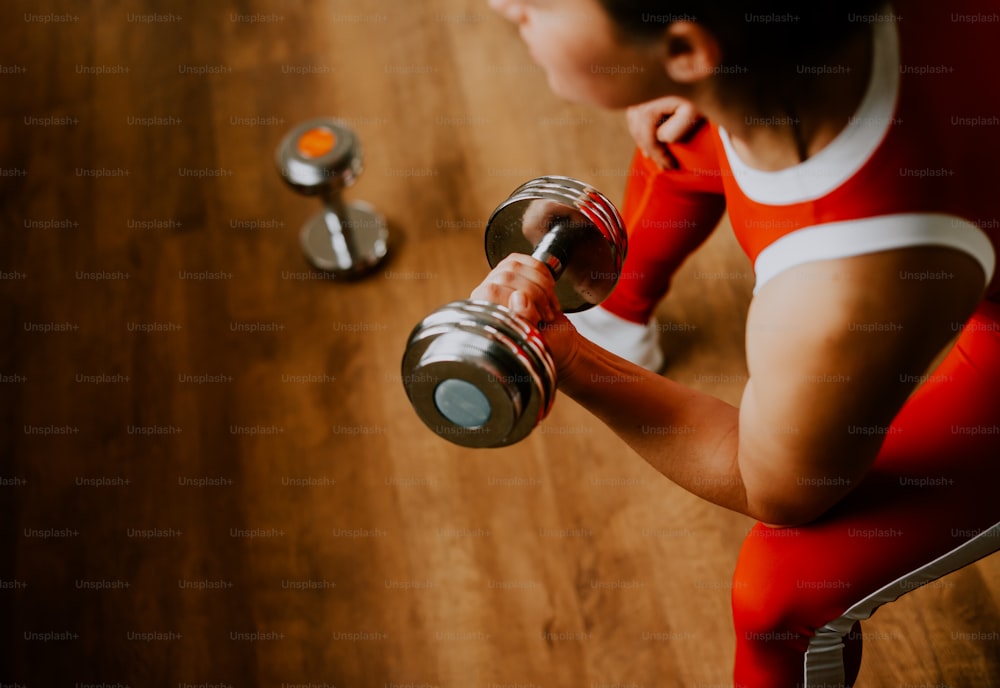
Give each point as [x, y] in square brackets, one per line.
[799, 593]
[668, 215]
[932, 489]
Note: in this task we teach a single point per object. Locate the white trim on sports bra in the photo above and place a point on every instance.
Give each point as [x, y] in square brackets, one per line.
[872, 234]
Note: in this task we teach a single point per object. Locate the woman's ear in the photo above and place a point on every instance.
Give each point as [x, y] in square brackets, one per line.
[693, 53]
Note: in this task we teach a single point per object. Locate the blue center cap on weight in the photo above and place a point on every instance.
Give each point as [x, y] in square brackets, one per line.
[462, 403]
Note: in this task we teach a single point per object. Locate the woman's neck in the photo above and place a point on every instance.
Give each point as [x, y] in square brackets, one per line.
[812, 116]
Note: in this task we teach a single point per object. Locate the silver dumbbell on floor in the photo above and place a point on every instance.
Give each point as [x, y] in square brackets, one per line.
[322, 157]
[477, 374]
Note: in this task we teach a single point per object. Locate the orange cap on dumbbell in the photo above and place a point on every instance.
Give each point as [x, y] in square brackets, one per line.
[316, 142]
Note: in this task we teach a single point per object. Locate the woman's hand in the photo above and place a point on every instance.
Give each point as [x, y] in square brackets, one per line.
[525, 286]
[656, 123]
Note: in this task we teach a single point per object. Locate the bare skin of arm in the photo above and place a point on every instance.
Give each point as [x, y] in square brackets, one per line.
[831, 346]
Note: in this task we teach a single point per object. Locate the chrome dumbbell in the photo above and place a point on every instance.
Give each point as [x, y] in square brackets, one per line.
[322, 157]
[477, 374]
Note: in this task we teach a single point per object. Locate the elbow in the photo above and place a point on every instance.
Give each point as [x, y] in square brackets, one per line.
[794, 498]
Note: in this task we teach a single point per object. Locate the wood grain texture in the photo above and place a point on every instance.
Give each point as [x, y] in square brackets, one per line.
[211, 474]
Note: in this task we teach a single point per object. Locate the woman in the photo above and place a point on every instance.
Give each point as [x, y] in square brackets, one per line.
[854, 151]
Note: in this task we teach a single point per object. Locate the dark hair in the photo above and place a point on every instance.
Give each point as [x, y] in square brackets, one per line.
[767, 47]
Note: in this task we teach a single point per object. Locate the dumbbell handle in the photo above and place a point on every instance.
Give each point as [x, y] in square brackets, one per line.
[335, 214]
[554, 250]
[333, 199]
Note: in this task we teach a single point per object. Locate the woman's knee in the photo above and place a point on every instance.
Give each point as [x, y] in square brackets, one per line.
[783, 589]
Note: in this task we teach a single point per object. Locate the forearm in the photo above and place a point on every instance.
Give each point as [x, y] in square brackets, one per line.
[688, 436]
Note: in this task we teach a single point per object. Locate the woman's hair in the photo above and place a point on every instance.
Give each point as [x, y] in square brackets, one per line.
[767, 47]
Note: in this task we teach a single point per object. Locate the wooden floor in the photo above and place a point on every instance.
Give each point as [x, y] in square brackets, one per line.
[210, 471]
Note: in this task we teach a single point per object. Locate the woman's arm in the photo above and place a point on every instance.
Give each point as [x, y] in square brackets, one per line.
[832, 350]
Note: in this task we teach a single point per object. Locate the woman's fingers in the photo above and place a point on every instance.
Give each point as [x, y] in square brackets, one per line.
[659, 122]
[678, 125]
[524, 285]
